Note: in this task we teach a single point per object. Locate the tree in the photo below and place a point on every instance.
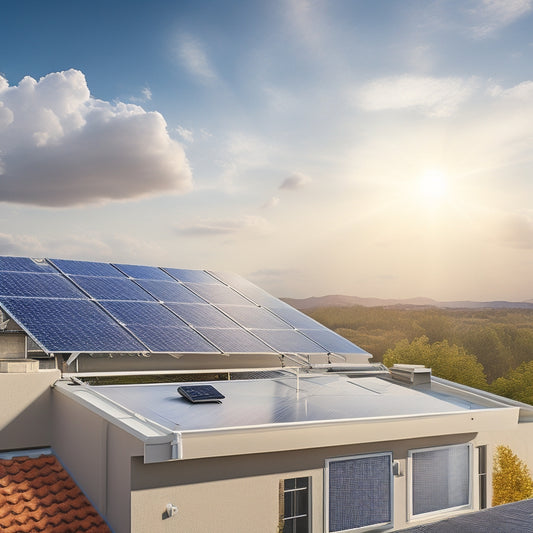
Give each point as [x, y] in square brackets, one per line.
[517, 384]
[447, 361]
[511, 481]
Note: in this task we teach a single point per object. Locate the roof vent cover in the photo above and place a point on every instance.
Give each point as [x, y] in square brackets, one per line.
[414, 374]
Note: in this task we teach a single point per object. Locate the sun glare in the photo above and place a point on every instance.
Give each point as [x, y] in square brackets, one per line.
[433, 186]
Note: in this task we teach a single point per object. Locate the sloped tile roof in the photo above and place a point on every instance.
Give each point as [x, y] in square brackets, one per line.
[38, 495]
[514, 517]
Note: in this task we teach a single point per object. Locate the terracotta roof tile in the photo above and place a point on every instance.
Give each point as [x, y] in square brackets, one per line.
[38, 495]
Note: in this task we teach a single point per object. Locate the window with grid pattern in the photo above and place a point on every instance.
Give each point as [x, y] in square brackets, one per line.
[359, 492]
[295, 505]
[440, 479]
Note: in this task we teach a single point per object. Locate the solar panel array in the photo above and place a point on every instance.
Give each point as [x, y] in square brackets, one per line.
[80, 306]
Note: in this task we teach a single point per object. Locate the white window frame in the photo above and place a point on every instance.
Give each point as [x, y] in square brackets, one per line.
[440, 512]
[371, 527]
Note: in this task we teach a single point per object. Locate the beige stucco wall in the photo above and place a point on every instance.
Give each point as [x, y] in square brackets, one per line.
[240, 493]
[97, 455]
[13, 345]
[520, 441]
[26, 409]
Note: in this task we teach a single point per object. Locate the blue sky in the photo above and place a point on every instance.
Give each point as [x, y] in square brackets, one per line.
[374, 148]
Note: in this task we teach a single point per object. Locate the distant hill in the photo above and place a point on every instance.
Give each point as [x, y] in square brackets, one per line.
[339, 300]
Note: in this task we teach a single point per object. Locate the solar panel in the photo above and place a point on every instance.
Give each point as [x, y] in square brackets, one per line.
[202, 315]
[37, 285]
[288, 341]
[248, 289]
[143, 272]
[86, 268]
[191, 276]
[70, 325]
[145, 313]
[235, 340]
[218, 294]
[83, 306]
[333, 342]
[24, 264]
[171, 339]
[112, 288]
[254, 317]
[200, 393]
[169, 291]
[294, 317]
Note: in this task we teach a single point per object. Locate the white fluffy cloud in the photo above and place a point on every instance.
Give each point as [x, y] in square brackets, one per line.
[62, 147]
[438, 97]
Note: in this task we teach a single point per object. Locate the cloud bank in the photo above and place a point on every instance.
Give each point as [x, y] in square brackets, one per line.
[61, 147]
[248, 224]
[493, 15]
[434, 97]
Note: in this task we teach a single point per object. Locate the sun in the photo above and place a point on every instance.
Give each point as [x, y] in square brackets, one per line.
[433, 186]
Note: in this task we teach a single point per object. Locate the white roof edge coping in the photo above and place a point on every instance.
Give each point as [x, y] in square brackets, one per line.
[144, 429]
[411, 368]
[32, 453]
[500, 400]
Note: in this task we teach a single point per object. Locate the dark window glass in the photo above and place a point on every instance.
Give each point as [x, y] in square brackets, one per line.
[482, 473]
[296, 505]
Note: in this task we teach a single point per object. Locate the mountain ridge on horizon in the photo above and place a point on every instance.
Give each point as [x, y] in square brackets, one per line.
[341, 300]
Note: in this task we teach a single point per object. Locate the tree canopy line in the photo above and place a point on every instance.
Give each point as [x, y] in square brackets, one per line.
[490, 349]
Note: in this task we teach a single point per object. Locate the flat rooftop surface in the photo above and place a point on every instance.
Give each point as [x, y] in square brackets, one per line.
[258, 402]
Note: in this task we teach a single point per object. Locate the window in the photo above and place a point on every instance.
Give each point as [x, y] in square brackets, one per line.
[482, 475]
[358, 491]
[440, 479]
[295, 505]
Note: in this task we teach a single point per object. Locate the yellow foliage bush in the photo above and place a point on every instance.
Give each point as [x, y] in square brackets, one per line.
[511, 480]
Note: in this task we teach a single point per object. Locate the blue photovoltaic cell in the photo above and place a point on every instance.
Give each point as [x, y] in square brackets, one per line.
[288, 340]
[200, 393]
[294, 317]
[172, 339]
[70, 325]
[86, 268]
[143, 272]
[24, 264]
[202, 315]
[254, 317]
[234, 340]
[112, 288]
[37, 285]
[169, 291]
[218, 294]
[248, 289]
[144, 313]
[192, 276]
[333, 342]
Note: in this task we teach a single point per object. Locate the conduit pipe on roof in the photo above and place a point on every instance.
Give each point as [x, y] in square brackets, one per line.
[176, 446]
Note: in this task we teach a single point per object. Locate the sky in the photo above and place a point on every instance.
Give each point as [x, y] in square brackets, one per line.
[376, 148]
